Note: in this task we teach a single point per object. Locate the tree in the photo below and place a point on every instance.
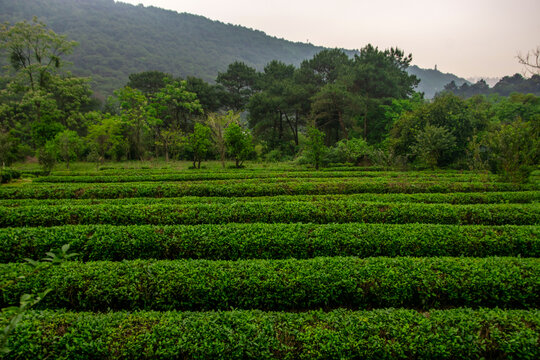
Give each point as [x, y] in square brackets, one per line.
[531, 60]
[107, 137]
[6, 148]
[35, 52]
[137, 117]
[218, 123]
[377, 77]
[69, 145]
[353, 150]
[314, 148]
[149, 82]
[170, 141]
[239, 143]
[199, 143]
[39, 99]
[47, 156]
[173, 105]
[239, 81]
[446, 110]
[330, 109]
[431, 143]
[515, 149]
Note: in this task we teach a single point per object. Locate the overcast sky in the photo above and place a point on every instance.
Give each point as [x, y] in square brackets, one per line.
[465, 37]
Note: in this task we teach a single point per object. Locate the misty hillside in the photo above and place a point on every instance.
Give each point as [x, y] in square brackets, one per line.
[433, 81]
[117, 39]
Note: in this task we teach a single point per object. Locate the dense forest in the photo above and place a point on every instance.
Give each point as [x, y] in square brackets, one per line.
[117, 39]
[504, 87]
[330, 109]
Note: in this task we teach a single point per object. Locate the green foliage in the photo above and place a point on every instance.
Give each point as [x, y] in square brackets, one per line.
[239, 143]
[107, 137]
[69, 146]
[340, 211]
[35, 52]
[149, 82]
[199, 143]
[378, 334]
[7, 148]
[255, 187]
[15, 313]
[6, 175]
[239, 81]
[47, 156]
[351, 282]
[431, 143]
[270, 241]
[314, 148]
[353, 151]
[515, 150]
[504, 87]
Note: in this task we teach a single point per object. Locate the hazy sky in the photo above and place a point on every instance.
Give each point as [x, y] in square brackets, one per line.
[465, 37]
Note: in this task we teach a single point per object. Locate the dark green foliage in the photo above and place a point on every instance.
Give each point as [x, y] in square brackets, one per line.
[270, 241]
[254, 187]
[314, 149]
[379, 334]
[504, 87]
[239, 143]
[349, 151]
[510, 197]
[7, 175]
[149, 82]
[340, 211]
[424, 283]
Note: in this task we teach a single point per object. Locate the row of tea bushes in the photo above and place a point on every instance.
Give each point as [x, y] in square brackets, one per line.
[292, 285]
[248, 188]
[379, 334]
[510, 197]
[269, 241]
[195, 176]
[340, 211]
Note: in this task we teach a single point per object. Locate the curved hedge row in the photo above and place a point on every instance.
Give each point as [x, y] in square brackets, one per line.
[280, 284]
[269, 241]
[380, 334]
[248, 188]
[510, 197]
[272, 212]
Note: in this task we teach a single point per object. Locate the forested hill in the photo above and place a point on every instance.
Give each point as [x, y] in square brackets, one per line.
[117, 39]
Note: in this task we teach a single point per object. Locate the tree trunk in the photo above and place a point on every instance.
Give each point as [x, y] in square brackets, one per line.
[280, 136]
[342, 125]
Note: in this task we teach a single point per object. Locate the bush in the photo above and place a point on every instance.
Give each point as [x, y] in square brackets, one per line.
[6, 175]
[379, 334]
[269, 241]
[292, 285]
[340, 211]
[255, 187]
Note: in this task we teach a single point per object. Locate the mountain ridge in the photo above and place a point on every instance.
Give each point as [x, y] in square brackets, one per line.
[117, 39]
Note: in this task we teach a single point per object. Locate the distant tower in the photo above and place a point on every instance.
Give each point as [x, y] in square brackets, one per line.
[435, 67]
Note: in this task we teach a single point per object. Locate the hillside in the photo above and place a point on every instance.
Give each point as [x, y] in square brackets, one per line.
[433, 81]
[117, 39]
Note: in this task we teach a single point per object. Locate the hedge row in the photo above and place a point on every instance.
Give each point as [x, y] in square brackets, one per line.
[341, 211]
[248, 188]
[510, 197]
[269, 241]
[191, 176]
[280, 284]
[340, 334]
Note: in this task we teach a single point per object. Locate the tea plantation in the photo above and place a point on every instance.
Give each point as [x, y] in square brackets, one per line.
[273, 263]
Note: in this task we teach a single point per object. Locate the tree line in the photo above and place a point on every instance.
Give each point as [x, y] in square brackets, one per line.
[333, 108]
